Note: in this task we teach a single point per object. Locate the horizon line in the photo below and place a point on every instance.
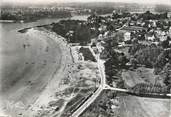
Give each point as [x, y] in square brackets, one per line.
[70, 2]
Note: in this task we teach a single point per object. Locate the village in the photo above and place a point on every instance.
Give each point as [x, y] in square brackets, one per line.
[121, 36]
[132, 47]
[86, 60]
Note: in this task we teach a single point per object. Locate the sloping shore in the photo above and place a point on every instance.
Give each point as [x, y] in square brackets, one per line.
[54, 85]
[46, 69]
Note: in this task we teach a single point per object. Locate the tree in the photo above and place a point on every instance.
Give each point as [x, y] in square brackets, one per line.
[165, 43]
[162, 60]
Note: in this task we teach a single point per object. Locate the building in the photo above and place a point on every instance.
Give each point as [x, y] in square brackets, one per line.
[127, 36]
[169, 14]
[169, 33]
[150, 37]
[163, 36]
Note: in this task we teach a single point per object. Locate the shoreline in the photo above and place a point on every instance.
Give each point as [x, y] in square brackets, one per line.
[49, 87]
[7, 21]
[53, 85]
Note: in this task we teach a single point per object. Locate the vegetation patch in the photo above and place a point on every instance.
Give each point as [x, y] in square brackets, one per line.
[75, 31]
[87, 54]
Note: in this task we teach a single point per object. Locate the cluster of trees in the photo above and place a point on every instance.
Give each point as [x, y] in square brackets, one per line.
[147, 88]
[102, 10]
[165, 43]
[32, 14]
[136, 47]
[115, 62]
[167, 71]
[163, 25]
[111, 22]
[94, 21]
[119, 59]
[148, 16]
[139, 35]
[145, 54]
[113, 73]
[161, 8]
[115, 24]
[75, 31]
[148, 56]
[120, 15]
[153, 57]
[162, 60]
[167, 74]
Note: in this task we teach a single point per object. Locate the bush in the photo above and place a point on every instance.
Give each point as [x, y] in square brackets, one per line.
[162, 60]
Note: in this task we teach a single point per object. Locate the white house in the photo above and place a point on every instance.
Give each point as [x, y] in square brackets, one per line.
[151, 38]
[169, 33]
[100, 47]
[169, 14]
[163, 36]
[127, 36]
[106, 34]
[100, 36]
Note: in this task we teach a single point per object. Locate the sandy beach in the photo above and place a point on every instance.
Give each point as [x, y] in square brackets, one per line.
[38, 74]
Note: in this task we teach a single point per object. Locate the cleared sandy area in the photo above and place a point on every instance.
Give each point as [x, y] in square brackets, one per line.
[35, 68]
